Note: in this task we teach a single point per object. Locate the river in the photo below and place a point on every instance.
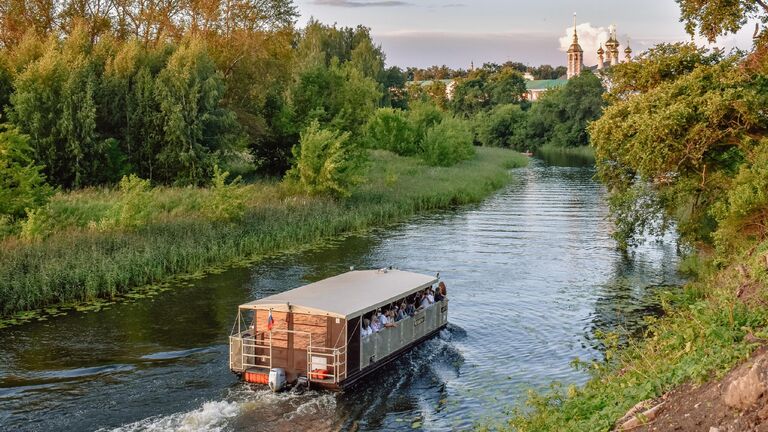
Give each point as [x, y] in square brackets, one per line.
[532, 273]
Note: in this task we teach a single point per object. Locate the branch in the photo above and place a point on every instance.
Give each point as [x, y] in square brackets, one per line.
[762, 4]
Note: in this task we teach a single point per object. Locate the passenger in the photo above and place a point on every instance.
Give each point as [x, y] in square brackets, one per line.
[383, 319]
[375, 324]
[410, 308]
[442, 289]
[439, 296]
[430, 296]
[401, 312]
[390, 319]
[366, 330]
[424, 302]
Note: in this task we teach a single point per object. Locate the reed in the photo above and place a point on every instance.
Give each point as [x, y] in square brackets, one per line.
[81, 261]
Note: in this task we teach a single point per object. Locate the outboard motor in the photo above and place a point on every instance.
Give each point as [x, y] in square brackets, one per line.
[277, 379]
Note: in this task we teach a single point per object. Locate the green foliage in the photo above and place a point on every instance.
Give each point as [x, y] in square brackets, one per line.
[80, 264]
[422, 116]
[196, 131]
[338, 96]
[713, 18]
[561, 116]
[504, 126]
[390, 129]
[22, 185]
[662, 63]
[448, 143]
[486, 89]
[327, 162]
[686, 137]
[227, 202]
[134, 208]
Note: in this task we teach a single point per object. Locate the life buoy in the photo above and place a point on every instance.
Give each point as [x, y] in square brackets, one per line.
[319, 374]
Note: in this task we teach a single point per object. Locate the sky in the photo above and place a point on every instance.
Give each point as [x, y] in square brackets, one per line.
[456, 32]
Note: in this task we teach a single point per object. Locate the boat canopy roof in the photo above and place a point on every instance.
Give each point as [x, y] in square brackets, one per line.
[347, 295]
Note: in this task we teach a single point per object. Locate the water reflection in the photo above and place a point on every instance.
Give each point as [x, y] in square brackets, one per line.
[531, 274]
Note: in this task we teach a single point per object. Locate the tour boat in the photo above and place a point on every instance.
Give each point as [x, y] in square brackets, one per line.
[311, 335]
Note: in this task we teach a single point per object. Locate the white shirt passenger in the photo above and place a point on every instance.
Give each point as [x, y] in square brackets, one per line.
[365, 332]
[431, 298]
[383, 320]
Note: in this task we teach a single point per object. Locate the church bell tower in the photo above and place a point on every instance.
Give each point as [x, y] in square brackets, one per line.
[575, 54]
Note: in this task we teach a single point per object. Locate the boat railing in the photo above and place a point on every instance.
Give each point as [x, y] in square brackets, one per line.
[248, 351]
[388, 340]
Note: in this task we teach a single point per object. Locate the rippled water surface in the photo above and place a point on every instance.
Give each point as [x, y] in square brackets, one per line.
[531, 273]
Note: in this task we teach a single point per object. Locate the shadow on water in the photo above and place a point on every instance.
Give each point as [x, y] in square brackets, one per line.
[566, 157]
[532, 273]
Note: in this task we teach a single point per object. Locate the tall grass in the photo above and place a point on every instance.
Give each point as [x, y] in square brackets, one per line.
[78, 261]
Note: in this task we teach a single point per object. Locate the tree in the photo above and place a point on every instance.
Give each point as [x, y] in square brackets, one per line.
[688, 138]
[197, 131]
[327, 162]
[504, 126]
[713, 18]
[22, 183]
[389, 129]
[339, 97]
[448, 143]
[561, 116]
[506, 87]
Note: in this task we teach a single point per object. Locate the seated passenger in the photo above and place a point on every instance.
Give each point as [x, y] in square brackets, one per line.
[424, 302]
[430, 296]
[366, 330]
[410, 308]
[375, 324]
[383, 320]
[400, 315]
[439, 296]
[390, 315]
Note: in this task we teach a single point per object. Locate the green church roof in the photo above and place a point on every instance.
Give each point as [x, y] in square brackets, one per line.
[545, 84]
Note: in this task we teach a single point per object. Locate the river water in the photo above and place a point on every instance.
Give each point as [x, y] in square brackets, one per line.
[532, 273]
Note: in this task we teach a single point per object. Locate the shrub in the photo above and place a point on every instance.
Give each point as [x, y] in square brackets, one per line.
[22, 185]
[448, 143]
[326, 162]
[227, 202]
[422, 116]
[389, 129]
[134, 208]
[504, 126]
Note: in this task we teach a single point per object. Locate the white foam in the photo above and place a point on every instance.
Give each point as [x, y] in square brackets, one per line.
[211, 417]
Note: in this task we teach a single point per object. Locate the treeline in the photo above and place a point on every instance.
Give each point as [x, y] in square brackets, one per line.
[543, 72]
[500, 115]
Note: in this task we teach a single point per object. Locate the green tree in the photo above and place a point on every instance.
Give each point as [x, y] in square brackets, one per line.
[713, 18]
[197, 131]
[448, 143]
[327, 162]
[504, 126]
[22, 183]
[389, 129]
[561, 116]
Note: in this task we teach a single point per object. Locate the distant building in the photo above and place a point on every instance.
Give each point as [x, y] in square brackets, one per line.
[536, 88]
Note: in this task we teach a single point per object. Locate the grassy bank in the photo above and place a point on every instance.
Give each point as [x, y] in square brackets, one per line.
[701, 337]
[81, 257]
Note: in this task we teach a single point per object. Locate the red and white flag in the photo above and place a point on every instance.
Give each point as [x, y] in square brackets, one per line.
[270, 321]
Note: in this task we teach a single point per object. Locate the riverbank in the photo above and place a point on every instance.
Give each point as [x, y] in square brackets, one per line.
[83, 260]
[710, 327]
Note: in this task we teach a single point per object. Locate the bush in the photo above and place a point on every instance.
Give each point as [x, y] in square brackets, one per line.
[22, 185]
[227, 202]
[504, 126]
[422, 116]
[389, 129]
[134, 208]
[326, 162]
[448, 143]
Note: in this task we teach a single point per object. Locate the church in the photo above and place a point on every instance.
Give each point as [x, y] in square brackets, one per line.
[606, 57]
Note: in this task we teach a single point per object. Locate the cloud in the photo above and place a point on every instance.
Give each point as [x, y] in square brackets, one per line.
[590, 38]
[359, 4]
